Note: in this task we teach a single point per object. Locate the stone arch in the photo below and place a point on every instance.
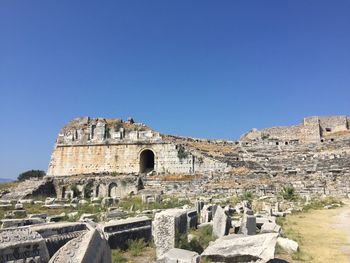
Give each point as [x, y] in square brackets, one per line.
[112, 190]
[147, 161]
[100, 190]
[97, 190]
[88, 190]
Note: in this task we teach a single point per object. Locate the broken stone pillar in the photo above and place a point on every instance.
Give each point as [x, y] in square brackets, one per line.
[221, 223]
[199, 206]
[168, 226]
[213, 210]
[206, 214]
[248, 224]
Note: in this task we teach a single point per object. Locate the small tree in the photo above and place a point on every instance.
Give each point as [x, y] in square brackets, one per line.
[31, 174]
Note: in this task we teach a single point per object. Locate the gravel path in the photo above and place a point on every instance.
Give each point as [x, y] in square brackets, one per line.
[342, 222]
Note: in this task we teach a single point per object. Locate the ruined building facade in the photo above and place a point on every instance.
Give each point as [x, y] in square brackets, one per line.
[312, 130]
[95, 146]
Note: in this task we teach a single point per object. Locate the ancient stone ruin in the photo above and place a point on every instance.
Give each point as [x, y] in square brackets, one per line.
[112, 182]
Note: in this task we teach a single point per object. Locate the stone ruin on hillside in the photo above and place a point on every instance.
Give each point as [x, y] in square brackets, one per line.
[96, 163]
[113, 158]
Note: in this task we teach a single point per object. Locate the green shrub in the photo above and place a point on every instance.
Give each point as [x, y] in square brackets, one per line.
[117, 256]
[135, 247]
[288, 193]
[200, 241]
[31, 174]
[319, 203]
[248, 196]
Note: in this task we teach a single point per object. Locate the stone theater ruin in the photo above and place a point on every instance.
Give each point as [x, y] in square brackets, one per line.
[109, 157]
[112, 181]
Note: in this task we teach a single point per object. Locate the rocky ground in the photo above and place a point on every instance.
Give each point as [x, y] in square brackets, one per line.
[146, 228]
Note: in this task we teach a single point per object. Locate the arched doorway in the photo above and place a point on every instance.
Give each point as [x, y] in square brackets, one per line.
[146, 161]
[113, 190]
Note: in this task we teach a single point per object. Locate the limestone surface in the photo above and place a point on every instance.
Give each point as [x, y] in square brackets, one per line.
[221, 223]
[176, 255]
[168, 225]
[87, 248]
[22, 245]
[239, 248]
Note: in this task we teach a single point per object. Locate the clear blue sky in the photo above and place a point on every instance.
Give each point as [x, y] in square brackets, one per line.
[199, 68]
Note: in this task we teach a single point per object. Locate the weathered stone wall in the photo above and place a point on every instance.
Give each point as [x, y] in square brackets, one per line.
[97, 186]
[330, 124]
[282, 133]
[95, 146]
[125, 158]
[310, 131]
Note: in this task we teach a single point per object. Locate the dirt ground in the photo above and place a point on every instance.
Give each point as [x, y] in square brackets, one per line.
[323, 235]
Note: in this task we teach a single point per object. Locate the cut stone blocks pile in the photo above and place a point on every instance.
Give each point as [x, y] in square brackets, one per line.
[86, 241]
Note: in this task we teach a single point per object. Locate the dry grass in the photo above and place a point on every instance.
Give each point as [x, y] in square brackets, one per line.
[5, 186]
[239, 171]
[319, 238]
[148, 255]
[214, 149]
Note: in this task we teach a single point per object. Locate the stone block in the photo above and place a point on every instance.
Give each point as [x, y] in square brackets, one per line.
[87, 248]
[248, 225]
[240, 248]
[176, 255]
[206, 214]
[270, 227]
[118, 232]
[221, 223]
[88, 217]
[199, 206]
[57, 235]
[114, 214]
[22, 245]
[168, 226]
[50, 201]
[288, 245]
[18, 206]
[7, 223]
[192, 218]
